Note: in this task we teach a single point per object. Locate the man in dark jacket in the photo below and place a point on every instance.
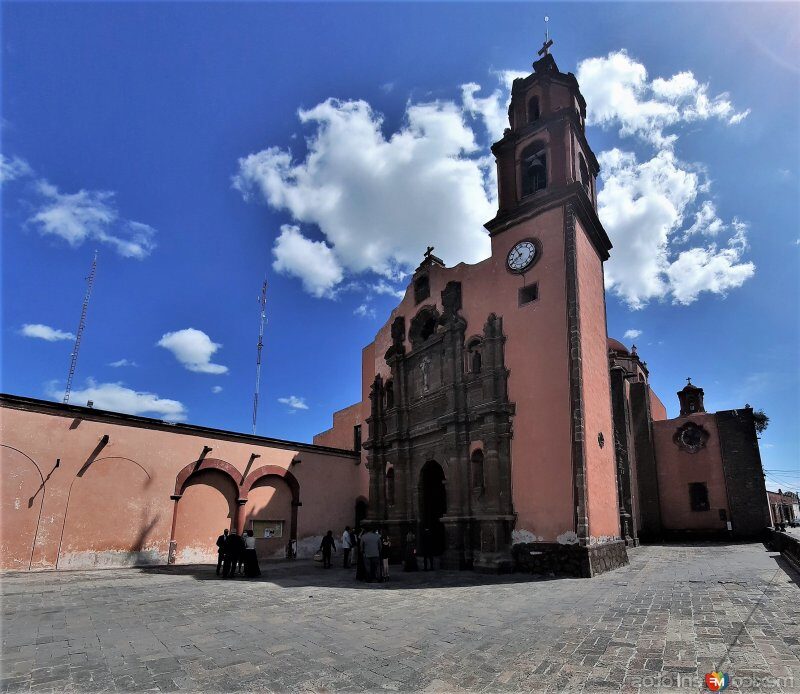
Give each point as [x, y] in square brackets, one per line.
[221, 540]
[328, 545]
[234, 548]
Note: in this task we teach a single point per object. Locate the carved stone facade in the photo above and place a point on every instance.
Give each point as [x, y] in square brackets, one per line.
[438, 447]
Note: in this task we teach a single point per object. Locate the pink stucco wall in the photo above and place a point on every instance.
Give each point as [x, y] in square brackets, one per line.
[600, 461]
[340, 435]
[110, 505]
[657, 410]
[678, 468]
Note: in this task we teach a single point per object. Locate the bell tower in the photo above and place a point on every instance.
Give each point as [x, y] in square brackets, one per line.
[547, 194]
[544, 151]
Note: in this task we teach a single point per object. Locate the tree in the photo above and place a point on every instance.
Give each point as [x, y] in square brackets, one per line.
[761, 421]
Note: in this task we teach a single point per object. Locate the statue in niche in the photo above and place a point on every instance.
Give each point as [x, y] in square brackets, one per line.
[425, 368]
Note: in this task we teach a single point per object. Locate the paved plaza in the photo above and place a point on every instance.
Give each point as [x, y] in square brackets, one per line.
[676, 613]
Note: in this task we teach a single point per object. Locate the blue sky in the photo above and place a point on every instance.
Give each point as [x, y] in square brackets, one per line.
[200, 147]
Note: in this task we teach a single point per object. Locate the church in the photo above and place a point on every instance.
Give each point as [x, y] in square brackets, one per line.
[495, 412]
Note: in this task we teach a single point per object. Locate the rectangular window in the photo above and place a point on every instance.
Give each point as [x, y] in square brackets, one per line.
[528, 293]
[357, 438]
[698, 496]
[267, 530]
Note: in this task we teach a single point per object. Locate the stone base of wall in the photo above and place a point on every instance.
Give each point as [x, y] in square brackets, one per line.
[569, 560]
[788, 546]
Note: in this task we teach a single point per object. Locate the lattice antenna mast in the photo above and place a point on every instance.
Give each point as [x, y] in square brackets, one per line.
[74, 358]
[262, 321]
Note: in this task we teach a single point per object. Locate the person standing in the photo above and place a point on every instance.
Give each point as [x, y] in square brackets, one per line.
[358, 548]
[251, 568]
[231, 554]
[427, 548]
[221, 540]
[327, 546]
[347, 547]
[371, 544]
[386, 546]
[410, 556]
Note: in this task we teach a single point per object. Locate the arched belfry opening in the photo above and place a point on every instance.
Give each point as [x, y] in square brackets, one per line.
[533, 163]
[433, 503]
[533, 109]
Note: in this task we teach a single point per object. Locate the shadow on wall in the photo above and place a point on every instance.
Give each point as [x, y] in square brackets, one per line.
[23, 490]
[108, 521]
[206, 508]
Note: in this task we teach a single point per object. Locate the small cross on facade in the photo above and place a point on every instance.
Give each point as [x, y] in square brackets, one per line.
[689, 380]
[429, 251]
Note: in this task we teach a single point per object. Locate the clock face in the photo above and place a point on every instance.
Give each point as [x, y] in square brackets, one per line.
[521, 256]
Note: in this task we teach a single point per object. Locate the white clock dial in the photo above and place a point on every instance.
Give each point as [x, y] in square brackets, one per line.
[521, 256]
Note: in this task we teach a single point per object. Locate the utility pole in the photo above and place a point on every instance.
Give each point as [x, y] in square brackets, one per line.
[74, 358]
[262, 320]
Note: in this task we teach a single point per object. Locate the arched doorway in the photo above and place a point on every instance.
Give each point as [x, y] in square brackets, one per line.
[110, 488]
[205, 508]
[23, 488]
[433, 503]
[361, 511]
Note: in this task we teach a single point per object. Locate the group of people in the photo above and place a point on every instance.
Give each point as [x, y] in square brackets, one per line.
[237, 554]
[369, 550]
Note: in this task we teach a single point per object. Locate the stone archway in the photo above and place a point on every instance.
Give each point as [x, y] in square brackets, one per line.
[256, 480]
[433, 503]
[207, 500]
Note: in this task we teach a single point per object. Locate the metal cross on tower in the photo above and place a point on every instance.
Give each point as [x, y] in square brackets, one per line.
[545, 49]
[81, 325]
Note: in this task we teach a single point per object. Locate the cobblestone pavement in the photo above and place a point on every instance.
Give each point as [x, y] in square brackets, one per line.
[677, 611]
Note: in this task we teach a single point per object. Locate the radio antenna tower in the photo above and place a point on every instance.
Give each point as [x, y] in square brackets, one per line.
[262, 320]
[74, 359]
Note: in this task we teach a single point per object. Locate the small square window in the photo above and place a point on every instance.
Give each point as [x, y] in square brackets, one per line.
[528, 293]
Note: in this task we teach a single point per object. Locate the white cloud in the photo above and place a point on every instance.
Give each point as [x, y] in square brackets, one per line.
[387, 87]
[11, 169]
[492, 109]
[706, 221]
[294, 402]
[643, 206]
[707, 269]
[383, 287]
[618, 94]
[311, 261]
[632, 334]
[216, 389]
[122, 362]
[91, 215]
[117, 398]
[45, 332]
[378, 201]
[365, 311]
[194, 349]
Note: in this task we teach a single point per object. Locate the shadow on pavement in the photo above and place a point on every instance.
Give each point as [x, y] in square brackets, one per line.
[300, 572]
